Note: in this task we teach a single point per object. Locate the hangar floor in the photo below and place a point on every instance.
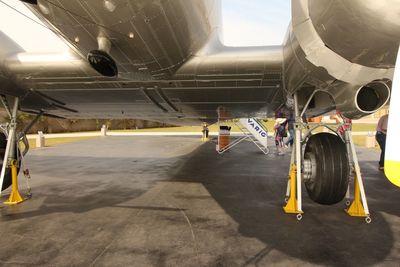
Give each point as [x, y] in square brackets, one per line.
[170, 201]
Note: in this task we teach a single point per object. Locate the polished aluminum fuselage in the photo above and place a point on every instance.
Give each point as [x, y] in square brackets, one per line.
[174, 68]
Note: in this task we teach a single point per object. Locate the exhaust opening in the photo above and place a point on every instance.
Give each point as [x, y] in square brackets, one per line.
[372, 97]
[103, 63]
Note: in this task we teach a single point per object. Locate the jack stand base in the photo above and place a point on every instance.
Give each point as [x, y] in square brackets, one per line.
[14, 198]
[291, 206]
[356, 208]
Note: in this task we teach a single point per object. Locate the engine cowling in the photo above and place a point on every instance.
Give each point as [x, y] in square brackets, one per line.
[357, 102]
[319, 55]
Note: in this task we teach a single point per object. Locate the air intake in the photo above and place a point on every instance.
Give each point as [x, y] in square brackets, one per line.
[103, 63]
[32, 2]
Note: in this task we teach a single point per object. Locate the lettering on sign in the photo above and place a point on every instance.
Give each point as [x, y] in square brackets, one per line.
[256, 127]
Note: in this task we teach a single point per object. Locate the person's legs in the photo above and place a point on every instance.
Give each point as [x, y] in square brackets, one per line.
[291, 138]
[381, 139]
[278, 144]
[288, 140]
[292, 133]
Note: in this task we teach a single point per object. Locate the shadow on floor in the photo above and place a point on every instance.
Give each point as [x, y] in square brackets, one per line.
[251, 189]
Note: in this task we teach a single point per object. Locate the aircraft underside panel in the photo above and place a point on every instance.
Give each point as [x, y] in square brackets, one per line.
[172, 65]
[180, 104]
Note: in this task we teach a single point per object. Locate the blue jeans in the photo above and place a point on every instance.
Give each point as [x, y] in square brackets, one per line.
[381, 139]
[291, 138]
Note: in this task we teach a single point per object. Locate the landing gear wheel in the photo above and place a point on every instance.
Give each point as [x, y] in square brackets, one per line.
[348, 203]
[368, 220]
[7, 176]
[299, 217]
[326, 168]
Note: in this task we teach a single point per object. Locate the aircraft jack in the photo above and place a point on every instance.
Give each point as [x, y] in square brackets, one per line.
[12, 151]
[15, 196]
[292, 205]
[359, 206]
[302, 170]
[356, 209]
[293, 191]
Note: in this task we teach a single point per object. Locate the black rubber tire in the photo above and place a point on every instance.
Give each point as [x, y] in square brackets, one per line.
[7, 177]
[331, 179]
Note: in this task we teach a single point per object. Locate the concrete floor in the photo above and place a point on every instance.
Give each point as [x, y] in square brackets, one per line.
[170, 201]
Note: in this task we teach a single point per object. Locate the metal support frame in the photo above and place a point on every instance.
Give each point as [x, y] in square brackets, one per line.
[293, 192]
[10, 152]
[292, 157]
[11, 155]
[3, 100]
[251, 137]
[22, 135]
[231, 145]
[359, 206]
[248, 136]
[349, 156]
[15, 196]
[30, 125]
[293, 197]
[298, 153]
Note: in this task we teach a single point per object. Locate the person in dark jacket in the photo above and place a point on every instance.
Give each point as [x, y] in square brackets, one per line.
[290, 127]
[381, 130]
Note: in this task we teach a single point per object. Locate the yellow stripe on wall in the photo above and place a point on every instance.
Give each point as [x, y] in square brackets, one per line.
[392, 171]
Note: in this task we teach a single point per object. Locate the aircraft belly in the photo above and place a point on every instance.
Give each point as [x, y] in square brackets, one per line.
[147, 36]
[166, 103]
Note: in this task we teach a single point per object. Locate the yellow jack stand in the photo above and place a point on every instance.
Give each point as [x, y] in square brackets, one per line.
[291, 206]
[356, 208]
[15, 197]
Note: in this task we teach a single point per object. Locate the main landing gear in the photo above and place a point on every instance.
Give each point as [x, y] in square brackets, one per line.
[326, 163]
[11, 157]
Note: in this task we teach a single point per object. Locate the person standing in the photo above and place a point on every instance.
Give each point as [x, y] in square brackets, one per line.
[205, 132]
[290, 126]
[380, 137]
[279, 128]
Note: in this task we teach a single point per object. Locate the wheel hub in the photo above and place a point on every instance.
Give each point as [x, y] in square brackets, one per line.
[309, 167]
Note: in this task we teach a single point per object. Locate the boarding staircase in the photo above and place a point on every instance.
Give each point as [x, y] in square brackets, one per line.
[255, 130]
[252, 129]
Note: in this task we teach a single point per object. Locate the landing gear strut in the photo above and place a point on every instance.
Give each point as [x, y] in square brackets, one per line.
[324, 161]
[10, 155]
[10, 152]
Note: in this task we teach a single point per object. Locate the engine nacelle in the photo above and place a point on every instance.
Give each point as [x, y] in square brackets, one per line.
[321, 53]
[359, 102]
